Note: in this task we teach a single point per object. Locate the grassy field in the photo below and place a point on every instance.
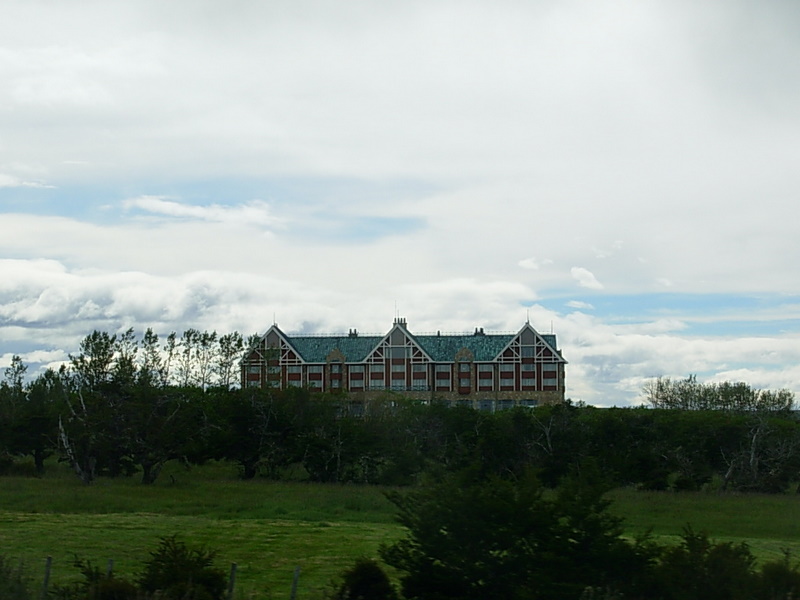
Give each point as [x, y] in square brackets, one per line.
[270, 528]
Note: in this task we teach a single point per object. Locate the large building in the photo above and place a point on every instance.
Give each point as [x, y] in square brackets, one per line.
[484, 370]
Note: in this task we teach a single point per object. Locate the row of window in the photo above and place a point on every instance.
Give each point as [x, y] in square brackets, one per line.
[416, 368]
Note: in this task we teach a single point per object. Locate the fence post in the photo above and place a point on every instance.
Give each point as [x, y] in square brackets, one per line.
[232, 581]
[48, 563]
[110, 568]
[294, 582]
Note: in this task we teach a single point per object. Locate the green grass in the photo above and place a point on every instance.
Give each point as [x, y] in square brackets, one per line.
[768, 523]
[269, 528]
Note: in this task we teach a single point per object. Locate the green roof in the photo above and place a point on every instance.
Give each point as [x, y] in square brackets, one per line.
[315, 348]
[441, 348]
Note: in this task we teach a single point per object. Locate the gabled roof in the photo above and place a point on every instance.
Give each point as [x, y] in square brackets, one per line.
[548, 339]
[443, 348]
[484, 347]
[315, 348]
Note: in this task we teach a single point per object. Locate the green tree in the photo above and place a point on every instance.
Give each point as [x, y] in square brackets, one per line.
[699, 569]
[475, 536]
[152, 371]
[93, 366]
[231, 346]
[35, 430]
[177, 572]
[365, 580]
[689, 394]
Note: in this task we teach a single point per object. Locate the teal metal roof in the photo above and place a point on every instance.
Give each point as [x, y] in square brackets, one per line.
[443, 348]
[315, 349]
[440, 348]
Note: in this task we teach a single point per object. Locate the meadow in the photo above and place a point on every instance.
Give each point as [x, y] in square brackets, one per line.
[270, 528]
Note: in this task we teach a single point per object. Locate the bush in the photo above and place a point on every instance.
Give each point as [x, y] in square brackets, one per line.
[365, 580]
[779, 579]
[700, 569]
[182, 573]
[14, 583]
[473, 536]
[96, 585]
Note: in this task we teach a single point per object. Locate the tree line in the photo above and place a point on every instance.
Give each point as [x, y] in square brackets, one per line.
[124, 407]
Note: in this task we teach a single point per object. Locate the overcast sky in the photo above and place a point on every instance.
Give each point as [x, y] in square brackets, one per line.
[623, 174]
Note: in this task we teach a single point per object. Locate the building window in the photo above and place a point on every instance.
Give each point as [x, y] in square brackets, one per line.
[506, 368]
[419, 368]
[485, 368]
[294, 369]
[255, 383]
[336, 368]
[528, 367]
[377, 385]
[464, 367]
[315, 368]
[528, 351]
[398, 384]
[398, 368]
[314, 383]
[356, 383]
[486, 405]
[549, 367]
[443, 368]
[376, 368]
[356, 368]
[463, 382]
[528, 382]
[336, 383]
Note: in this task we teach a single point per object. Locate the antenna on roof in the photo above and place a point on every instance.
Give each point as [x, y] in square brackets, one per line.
[274, 320]
[527, 316]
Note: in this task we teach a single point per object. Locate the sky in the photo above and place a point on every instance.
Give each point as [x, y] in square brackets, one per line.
[622, 174]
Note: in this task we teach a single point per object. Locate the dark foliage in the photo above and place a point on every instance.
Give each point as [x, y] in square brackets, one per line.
[365, 580]
[179, 572]
[476, 535]
[14, 581]
[96, 585]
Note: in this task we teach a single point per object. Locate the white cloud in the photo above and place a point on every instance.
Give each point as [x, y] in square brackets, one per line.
[610, 136]
[585, 278]
[580, 305]
[255, 212]
[11, 181]
[534, 263]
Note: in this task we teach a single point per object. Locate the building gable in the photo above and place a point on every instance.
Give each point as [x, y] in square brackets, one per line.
[528, 343]
[398, 343]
